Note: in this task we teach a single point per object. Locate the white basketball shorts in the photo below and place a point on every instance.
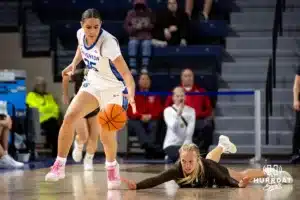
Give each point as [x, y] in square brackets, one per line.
[108, 96]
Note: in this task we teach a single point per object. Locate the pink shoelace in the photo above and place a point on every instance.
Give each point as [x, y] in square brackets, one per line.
[55, 169]
[111, 173]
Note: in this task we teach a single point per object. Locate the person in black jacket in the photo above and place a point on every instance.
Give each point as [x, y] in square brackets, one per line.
[171, 26]
[193, 171]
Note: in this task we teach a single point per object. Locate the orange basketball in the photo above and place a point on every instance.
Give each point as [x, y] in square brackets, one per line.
[112, 118]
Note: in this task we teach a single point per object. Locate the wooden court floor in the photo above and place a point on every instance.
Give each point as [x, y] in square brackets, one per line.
[80, 185]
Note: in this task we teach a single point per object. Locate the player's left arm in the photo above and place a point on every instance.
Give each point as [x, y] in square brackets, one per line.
[111, 50]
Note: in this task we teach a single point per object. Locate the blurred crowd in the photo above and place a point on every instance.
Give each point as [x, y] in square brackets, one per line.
[172, 26]
[163, 125]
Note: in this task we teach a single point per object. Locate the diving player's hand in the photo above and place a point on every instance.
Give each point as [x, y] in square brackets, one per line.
[244, 182]
[130, 184]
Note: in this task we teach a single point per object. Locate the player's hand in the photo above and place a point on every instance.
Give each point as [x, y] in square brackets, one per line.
[297, 105]
[131, 101]
[244, 182]
[130, 184]
[68, 71]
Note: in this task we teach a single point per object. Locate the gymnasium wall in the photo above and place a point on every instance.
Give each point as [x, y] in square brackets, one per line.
[11, 58]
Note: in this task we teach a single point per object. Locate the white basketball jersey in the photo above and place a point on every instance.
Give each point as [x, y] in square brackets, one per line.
[98, 58]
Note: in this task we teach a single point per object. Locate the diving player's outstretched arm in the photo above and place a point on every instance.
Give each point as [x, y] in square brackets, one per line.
[111, 50]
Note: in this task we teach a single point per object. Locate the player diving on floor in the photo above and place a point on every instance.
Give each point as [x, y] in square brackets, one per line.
[194, 171]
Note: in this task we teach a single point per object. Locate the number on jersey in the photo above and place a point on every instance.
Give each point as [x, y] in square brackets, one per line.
[90, 65]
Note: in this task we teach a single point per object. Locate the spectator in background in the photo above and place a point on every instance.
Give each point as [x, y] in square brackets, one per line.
[139, 24]
[192, 10]
[296, 136]
[144, 122]
[180, 121]
[172, 26]
[6, 161]
[48, 109]
[204, 122]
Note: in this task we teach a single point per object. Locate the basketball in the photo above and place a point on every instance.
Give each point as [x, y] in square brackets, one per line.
[112, 118]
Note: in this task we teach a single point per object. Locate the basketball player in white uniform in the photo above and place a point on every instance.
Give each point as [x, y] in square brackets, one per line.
[106, 82]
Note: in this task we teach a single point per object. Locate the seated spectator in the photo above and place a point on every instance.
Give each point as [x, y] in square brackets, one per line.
[49, 112]
[6, 161]
[172, 26]
[180, 121]
[139, 24]
[204, 124]
[192, 10]
[144, 122]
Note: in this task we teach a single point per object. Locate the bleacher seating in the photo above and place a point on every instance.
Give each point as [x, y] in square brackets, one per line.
[165, 82]
[71, 9]
[110, 9]
[65, 23]
[66, 30]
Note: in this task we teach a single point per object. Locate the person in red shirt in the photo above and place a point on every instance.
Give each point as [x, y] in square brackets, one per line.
[204, 111]
[144, 122]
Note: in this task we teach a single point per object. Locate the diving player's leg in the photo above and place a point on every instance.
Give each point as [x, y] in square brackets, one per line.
[74, 112]
[92, 142]
[109, 139]
[224, 146]
[283, 176]
[82, 134]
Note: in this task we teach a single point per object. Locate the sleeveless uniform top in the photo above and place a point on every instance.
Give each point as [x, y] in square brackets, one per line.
[98, 58]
